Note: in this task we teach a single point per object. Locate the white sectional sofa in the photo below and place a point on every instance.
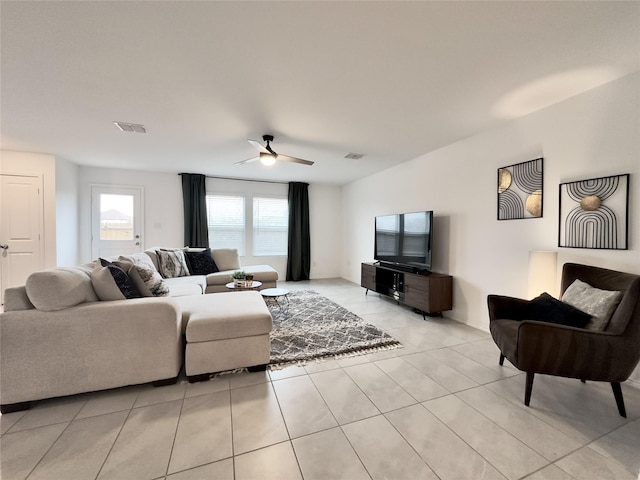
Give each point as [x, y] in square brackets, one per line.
[58, 338]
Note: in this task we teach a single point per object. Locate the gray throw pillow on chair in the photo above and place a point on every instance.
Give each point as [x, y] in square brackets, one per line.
[600, 304]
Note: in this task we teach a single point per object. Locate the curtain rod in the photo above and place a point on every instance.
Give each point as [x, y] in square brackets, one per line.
[245, 179]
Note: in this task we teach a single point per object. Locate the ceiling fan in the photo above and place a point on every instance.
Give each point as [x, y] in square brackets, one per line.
[268, 156]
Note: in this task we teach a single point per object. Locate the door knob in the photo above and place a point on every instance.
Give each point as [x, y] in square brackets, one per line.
[4, 246]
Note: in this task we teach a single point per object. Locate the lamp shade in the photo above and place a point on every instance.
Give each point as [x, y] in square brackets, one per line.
[542, 273]
[267, 159]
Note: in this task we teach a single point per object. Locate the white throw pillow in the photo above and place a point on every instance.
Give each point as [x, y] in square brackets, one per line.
[148, 280]
[172, 263]
[600, 304]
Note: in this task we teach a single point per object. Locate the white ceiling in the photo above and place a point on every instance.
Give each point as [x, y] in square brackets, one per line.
[392, 80]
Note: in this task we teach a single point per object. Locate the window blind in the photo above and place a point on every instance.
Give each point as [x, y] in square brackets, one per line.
[270, 226]
[226, 222]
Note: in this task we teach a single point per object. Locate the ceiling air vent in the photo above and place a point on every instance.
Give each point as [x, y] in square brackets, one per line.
[354, 156]
[130, 127]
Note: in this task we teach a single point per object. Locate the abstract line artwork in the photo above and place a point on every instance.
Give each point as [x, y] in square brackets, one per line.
[520, 190]
[594, 213]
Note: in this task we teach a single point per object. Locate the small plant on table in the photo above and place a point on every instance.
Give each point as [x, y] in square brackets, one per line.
[239, 278]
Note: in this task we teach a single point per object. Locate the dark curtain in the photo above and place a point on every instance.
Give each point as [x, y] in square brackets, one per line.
[299, 249]
[196, 232]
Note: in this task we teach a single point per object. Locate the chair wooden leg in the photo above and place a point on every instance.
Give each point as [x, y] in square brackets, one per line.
[617, 392]
[528, 387]
[501, 359]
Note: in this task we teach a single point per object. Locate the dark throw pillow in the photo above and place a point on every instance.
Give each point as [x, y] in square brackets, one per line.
[121, 279]
[546, 308]
[201, 263]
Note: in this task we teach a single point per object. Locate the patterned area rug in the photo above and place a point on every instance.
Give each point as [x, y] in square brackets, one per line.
[312, 327]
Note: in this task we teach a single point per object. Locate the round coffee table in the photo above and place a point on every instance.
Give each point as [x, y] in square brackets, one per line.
[274, 295]
[254, 286]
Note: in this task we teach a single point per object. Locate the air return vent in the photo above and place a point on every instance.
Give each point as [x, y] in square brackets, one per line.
[130, 127]
[354, 156]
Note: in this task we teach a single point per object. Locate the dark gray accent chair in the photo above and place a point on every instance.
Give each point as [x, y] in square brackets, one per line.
[553, 349]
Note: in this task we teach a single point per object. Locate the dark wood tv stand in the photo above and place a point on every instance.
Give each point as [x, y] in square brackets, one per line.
[430, 293]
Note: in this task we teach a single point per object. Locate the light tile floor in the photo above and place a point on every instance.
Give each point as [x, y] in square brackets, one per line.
[439, 408]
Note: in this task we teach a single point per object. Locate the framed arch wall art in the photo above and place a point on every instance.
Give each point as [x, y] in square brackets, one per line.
[520, 190]
[594, 213]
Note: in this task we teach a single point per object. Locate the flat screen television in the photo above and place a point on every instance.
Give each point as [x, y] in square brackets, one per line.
[404, 240]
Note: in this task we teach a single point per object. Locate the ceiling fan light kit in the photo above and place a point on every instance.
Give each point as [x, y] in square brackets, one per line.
[268, 156]
[267, 159]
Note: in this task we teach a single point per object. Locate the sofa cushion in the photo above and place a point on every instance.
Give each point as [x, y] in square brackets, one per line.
[153, 256]
[225, 315]
[172, 263]
[135, 258]
[191, 285]
[600, 304]
[60, 288]
[111, 282]
[200, 262]
[148, 281]
[226, 258]
[16, 298]
[261, 273]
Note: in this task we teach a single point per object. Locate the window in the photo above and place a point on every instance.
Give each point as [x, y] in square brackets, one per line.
[270, 226]
[116, 217]
[250, 224]
[226, 222]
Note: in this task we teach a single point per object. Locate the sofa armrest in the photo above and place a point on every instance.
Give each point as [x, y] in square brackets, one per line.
[572, 352]
[16, 298]
[502, 307]
[91, 346]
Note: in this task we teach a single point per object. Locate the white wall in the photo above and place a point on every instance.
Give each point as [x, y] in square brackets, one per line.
[325, 225]
[591, 135]
[163, 224]
[67, 213]
[44, 165]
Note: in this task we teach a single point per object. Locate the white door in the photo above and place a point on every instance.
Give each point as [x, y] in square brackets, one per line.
[20, 229]
[116, 221]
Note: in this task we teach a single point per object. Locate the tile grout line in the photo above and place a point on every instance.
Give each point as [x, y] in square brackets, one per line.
[175, 432]
[117, 436]
[289, 439]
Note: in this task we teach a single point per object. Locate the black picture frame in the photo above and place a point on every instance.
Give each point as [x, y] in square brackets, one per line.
[520, 190]
[594, 213]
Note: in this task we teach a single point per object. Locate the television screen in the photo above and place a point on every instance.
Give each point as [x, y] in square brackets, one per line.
[404, 239]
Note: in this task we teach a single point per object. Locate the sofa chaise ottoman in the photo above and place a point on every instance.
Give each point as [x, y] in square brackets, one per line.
[225, 331]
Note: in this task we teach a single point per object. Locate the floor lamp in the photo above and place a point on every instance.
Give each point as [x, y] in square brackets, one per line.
[542, 273]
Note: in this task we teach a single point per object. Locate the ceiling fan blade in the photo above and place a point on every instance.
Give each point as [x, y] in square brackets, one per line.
[249, 160]
[286, 158]
[258, 146]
